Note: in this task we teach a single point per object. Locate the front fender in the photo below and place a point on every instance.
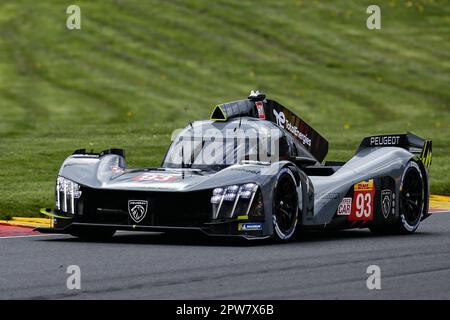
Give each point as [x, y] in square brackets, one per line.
[92, 170]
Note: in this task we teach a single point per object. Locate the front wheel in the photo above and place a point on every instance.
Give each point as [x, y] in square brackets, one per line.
[285, 206]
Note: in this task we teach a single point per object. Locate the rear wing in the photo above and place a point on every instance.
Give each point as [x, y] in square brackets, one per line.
[421, 148]
[257, 106]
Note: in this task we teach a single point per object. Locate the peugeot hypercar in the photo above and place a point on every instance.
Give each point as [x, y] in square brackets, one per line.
[255, 170]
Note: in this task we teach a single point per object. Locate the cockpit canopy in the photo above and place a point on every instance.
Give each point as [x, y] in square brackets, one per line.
[215, 145]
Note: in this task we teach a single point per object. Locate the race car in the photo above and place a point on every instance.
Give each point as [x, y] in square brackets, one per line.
[254, 170]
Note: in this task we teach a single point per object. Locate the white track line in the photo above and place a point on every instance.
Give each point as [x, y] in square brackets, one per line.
[434, 212]
[33, 235]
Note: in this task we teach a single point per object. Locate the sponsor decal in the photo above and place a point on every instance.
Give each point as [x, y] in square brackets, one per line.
[345, 207]
[137, 209]
[384, 141]
[364, 185]
[283, 122]
[386, 202]
[280, 117]
[154, 177]
[260, 108]
[328, 196]
[246, 170]
[362, 205]
[249, 226]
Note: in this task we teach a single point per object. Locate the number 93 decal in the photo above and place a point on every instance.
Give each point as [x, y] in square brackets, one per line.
[362, 206]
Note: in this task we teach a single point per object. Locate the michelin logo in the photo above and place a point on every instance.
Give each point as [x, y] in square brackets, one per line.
[283, 122]
[250, 226]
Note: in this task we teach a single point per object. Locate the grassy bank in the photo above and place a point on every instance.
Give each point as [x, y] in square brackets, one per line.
[137, 70]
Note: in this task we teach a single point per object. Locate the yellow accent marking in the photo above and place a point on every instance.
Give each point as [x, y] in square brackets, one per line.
[439, 202]
[426, 154]
[225, 118]
[52, 215]
[31, 220]
[242, 217]
[28, 222]
[435, 197]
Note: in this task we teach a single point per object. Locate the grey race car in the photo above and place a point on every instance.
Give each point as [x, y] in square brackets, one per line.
[254, 170]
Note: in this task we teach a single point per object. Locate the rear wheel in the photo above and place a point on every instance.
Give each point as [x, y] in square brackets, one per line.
[411, 202]
[93, 235]
[285, 206]
[412, 196]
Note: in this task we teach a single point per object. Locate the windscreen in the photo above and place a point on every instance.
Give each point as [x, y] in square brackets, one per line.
[215, 145]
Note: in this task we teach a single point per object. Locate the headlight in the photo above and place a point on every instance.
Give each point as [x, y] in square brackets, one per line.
[247, 190]
[233, 200]
[66, 193]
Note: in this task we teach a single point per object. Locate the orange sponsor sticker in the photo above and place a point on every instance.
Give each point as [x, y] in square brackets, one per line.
[364, 186]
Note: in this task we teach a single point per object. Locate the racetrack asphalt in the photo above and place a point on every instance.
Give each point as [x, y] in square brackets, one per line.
[151, 266]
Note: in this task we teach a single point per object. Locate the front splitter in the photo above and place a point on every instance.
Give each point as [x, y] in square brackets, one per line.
[163, 229]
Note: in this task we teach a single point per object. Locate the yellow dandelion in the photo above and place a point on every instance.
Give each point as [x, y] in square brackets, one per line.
[346, 126]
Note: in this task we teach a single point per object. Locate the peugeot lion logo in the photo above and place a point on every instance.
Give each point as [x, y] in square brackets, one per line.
[386, 202]
[137, 209]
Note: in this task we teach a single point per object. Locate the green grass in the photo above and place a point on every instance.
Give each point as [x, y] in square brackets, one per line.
[139, 69]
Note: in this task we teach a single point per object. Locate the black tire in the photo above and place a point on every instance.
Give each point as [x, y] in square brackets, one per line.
[285, 212]
[411, 203]
[412, 199]
[93, 235]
